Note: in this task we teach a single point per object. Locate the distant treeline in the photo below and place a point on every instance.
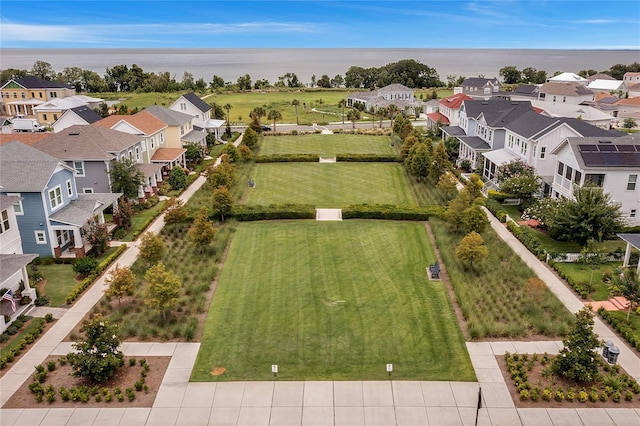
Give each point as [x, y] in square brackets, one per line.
[411, 73]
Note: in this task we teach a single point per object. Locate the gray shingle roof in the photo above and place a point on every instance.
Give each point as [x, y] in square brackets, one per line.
[81, 142]
[87, 114]
[496, 110]
[169, 116]
[24, 168]
[565, 88]
[531, 123]
[395, 87]
[478, 81]
[633, 239]
[453, 130]
[12, 263]
[7, 201]
[197, 102]
[475, 142]
[80, 210]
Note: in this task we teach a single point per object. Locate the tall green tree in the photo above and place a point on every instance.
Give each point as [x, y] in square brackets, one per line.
[43, 70]
[418, 161]
[222, 202]
[121, 282]
[152, 248]
[439, 163]
[244, 82]
[471, 249]
[125, 177]
[177, 178]
[227, 107]
[274, 115]
[162, 290]
[202, 231]
[353, 115]
[296, 104]
[510, 74]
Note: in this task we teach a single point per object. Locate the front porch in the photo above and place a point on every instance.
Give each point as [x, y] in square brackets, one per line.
[14, 278]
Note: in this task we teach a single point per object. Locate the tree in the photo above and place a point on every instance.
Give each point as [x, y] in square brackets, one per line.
[474, 219]
[577, 359]
[337, 81]
[452, 145]
[245, 153]
[629, 123]
[187, 81]
[439, 162]
[295, 104]
[250, 137]
[510, 74]
[177, 178]
[257, 113]
[97, 357]
[324, 82]
[471, 249]
[341, 104]
[121, 281]
[626, 282]
[194, 153]
[454, 214]
[174, 211]
[227, 107]
[353, 115]
[592, 256]
[222, 202]
[217, 82]
[274, 115]
[447, 187]
[202, 231]
[231, 151]
[43, 70]
[220, 176]
[126, 178]
[590, 214]
[392, 110]
[244, 82]
[474, 186]
[98, 236]
[152, 248]
[418, 161]
[162, 290]
[124, 214]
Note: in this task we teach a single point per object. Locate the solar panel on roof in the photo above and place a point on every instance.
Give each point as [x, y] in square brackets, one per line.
[592, 158]
[585, 148]
[625, 148]
[607, 148]
[637, 148]
[611, 159]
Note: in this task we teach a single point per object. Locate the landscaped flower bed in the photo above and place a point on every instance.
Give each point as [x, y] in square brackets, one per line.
[532, 384]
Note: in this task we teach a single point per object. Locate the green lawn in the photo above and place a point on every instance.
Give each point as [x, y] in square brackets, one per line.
[325, 145]
[329, 185]
[331, 301]
[60, 282]
[580, 272]
[139, 220]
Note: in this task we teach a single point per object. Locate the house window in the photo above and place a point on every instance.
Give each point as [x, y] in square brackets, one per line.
[17, 207]
[162, 138]
[44, 117]
[568, 173]
[554, 99]
[633, 213]
[131, 155]
[597, 180]
[577, 177]
[79, 166]
[41, 237]
[543, 152]
[631, 183]
[54, 94]
[560, 168]
[564, 99]
[69, 188]
[137, 153]
[55, 117]
[183, 106]
[87, 190]
[55, 197]
[153, 142]
[4, 221]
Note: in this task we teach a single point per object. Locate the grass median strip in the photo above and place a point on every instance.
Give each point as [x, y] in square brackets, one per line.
[326, 145]
[331, 300]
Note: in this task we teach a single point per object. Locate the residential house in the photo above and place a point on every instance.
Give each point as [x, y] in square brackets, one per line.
[568, 77]
[610, 163]
[599, 76]
[531, 137]
[153, 130]
[21, 95]
[191, 104]
[448, 111]
[24, 137]
[607, 104]
[90, 150]
[524, 92]
[586, 113]
[81, 115]
[481, 127]
[613, 87]
[394, 94]
[480, 88]
[628, 108]
[50, 213]
[48, 112]
[631, 78]
[180, 129]
[566, 93]
[14, 281]
[633, 90]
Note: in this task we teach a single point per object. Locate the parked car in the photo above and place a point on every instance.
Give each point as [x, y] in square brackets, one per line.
[266, 128]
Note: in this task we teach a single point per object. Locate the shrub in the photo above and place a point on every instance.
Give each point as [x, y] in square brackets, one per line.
[287, 158]
[51, 365]
[164, 188]
[496, 209]
[48, 317]
[177, 178]
[41, 301]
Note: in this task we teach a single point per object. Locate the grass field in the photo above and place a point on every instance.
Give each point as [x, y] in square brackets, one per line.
[60, 282]
[580, 272]
[325, 145]
[329, 185]
[331, 300]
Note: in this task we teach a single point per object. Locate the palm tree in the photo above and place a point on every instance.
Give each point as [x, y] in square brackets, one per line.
[393, 109]
[627, 284]
[274, 115]
[258, 112]
[372, 111]
[295, 104]
[228, 108]
[353, 115]
[382, 111]
[341, 104]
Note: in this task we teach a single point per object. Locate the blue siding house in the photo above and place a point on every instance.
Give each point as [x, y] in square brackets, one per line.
[51, 215]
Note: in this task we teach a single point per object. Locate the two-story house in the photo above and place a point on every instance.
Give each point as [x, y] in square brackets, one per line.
[631, 78]
[192, 105]
[480, 88]
[568, 77]
[531, 138]
[448, 111]
[14, 281]
[629, 107]
[91, 150]
[586, 113]
[21, 95]
[180, 129]
[51, 214]
[610, 163]
[565, 93]
[153, 130]
[612, 87]
[82, 115]
[394, 94]
[482, 127]
[50, 111]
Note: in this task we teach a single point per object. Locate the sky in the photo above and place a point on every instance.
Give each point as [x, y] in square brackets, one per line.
[503, 24]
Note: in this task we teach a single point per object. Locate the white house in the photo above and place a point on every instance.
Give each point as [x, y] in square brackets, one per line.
[610, 163]
[586, 113]
[565, 93]
[82, 115]
[191, 104]
[568, 77]
[615, 87]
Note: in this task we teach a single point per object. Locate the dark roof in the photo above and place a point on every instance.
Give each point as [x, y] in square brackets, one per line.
[605, 152]
[453, 130]
[478, 82]
[526, 89]
[197, 102]
[33, 82]
[588, 130]
[169, 116]
[531, 123]
[633, 239]
[496, 111]
[87, 114]
[475, 142]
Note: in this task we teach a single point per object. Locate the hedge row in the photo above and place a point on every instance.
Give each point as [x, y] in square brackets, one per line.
[582, 288]
[372, 158]
[528, 238]
[285, 211]
[499, 196]
[287, 158]
[148, 222]
[27, 339]
[389, 212]
[625, 330]
[496, 209]
[82, 286]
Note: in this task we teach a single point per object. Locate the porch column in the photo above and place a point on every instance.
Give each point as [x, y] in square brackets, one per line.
[78, 243]
[28, 291]
[627, 256]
